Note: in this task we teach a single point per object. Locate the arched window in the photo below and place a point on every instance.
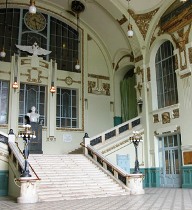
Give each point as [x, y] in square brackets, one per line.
[165, 76]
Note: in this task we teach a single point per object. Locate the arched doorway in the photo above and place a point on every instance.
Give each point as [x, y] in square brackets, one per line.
[128, 96]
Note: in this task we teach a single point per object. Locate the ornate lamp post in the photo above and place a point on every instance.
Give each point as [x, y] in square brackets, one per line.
[27, 134]
[135, 139]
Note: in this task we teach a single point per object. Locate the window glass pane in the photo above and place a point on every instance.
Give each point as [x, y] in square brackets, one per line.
[165, 76]
[66, 115]
[32, 95]
[4, 95]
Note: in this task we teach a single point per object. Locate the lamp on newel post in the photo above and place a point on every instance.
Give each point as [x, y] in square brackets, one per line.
[26, 135]
[135, 139]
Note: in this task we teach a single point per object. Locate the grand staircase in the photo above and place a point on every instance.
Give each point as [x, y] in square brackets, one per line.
[72, 176]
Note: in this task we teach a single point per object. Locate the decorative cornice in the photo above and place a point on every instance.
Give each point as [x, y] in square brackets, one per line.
[143, 20]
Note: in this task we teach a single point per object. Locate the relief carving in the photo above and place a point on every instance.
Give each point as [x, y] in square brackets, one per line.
[143, 20]
[166, 117]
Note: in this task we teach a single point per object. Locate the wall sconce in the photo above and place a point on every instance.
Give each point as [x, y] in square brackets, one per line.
[32, 7]
[15, 85]
[52, 89]
[140, 104]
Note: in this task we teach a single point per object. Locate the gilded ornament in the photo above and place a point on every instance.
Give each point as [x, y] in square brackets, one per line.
[143, 20]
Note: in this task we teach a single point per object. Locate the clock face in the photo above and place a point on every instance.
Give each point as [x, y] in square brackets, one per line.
[36, 22]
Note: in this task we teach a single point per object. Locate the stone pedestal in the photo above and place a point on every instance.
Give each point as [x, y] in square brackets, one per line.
[28, 190]
[135, 184]
[35, 146]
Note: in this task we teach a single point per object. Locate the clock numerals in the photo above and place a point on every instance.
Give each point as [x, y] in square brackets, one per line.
[35, 22]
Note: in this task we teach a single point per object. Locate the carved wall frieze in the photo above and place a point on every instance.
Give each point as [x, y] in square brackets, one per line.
[43, 64]
[176, 113]
[190, 54]
[143, 20]
[91, 85]
[155, 118]
[34, 75]
[165, 117]
[69, 81]
[25, 61]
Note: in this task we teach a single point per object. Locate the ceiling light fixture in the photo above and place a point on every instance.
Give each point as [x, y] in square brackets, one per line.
[77, 7]
[3, 53]
[32, 7]
[130, 30]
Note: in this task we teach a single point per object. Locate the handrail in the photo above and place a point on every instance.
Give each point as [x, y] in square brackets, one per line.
[114, 170]
[113, 132]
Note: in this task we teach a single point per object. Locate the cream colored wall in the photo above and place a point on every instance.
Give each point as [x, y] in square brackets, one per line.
[94, 117]
[128, 149]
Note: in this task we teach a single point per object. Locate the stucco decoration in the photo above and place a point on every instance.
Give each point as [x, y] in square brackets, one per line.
[34, 75]
[91, 85]
[155, 118]
[190, 54]
[98, 87]
[143, 20]
[138, 58]
[181, 38]
[177, 19]
[69, 80]
[165, 117]
[176, 113]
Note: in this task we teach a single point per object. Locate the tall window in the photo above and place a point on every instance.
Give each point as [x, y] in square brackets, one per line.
[56, 36]
[165, 76]
[32, 95]
[4, 95]
[67, 108]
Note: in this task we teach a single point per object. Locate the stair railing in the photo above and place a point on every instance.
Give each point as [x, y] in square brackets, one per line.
[132, 182]
[115, 131]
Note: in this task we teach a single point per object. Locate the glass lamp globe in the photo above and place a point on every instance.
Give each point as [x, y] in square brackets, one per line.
[2, 53]
[130, 31]
[32, 9]
[77, 66]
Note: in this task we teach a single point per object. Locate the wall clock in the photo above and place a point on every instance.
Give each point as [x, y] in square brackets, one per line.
[35, 22]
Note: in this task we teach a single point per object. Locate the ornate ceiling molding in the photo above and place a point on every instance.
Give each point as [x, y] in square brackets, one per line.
[143, 20]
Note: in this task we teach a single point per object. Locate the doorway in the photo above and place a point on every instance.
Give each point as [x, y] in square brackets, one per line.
[170, 161]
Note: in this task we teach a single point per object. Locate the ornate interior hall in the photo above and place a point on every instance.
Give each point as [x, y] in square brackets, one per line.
[95, 104]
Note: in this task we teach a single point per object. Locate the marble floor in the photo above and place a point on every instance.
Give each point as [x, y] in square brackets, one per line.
[154, 199]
